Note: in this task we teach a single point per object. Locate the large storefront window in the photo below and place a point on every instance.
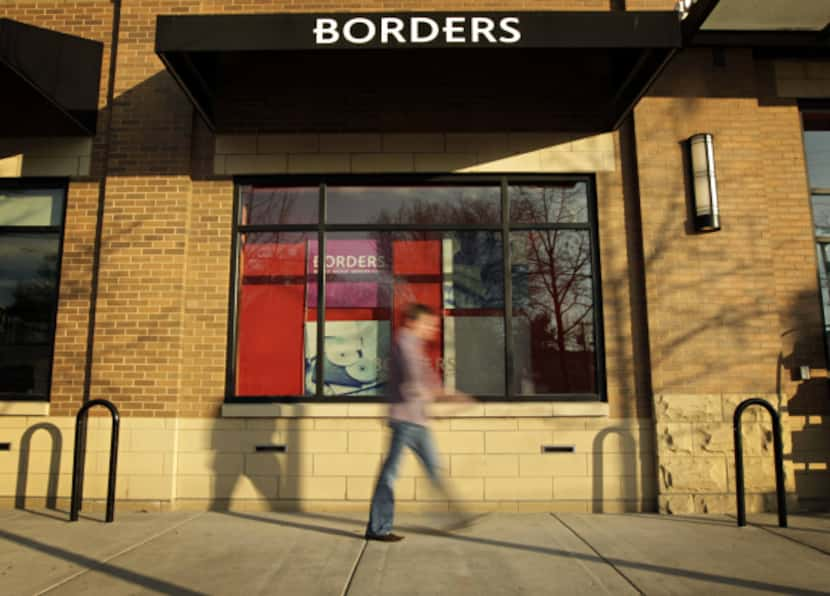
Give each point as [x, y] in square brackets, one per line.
[30, 241]
[382, 247]
[817, 150]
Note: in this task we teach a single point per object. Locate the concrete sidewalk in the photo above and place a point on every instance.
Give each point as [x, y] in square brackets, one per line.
[325, 554]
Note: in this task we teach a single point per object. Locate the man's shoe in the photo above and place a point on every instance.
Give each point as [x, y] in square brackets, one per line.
[384, 537]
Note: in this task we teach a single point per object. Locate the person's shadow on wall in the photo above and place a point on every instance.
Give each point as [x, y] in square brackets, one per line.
[811, 444]
[810, 441]
[257, 463]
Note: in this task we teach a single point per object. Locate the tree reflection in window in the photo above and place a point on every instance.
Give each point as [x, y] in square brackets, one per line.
[553, 295]
[28, 295]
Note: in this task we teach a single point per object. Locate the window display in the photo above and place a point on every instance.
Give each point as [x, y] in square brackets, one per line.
[391, 255]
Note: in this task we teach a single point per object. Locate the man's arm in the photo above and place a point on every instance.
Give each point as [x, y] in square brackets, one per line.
[440, 390]
[454, 396]
[422, 382]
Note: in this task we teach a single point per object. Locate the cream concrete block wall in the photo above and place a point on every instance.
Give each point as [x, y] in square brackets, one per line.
[48, 156]
[39, 464]
[491, 463]
[11, 166]
[696, 458]
[802, 79]
[407, 153]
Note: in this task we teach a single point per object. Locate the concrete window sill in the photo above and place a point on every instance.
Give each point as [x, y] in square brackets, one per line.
[479, 410]
[24, 408]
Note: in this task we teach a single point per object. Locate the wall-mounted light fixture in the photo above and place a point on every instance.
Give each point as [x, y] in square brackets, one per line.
[683, 7]
[704, 184]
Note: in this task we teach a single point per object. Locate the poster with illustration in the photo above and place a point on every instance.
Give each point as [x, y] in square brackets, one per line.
[356, 357]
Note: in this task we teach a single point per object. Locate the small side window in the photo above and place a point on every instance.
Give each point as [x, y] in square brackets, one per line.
[30, 249]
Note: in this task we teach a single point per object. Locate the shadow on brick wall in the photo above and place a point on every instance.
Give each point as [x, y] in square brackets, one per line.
[152, 126]
[700, 73]
[810, 402]
[151, 130]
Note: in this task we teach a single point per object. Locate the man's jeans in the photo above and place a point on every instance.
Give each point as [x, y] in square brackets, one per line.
[417, 438]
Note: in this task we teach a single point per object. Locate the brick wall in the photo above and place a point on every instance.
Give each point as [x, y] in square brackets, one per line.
[207, 281]
[139, 334]
[147, 290]
[730, 313]
[91, 19]
[73, 310]
[716, 323]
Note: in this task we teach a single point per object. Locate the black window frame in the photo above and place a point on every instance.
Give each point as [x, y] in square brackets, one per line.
[503, 181]
[806, 107]
[41, 183]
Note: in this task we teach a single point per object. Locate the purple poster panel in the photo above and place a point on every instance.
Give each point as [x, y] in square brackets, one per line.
[357, 274]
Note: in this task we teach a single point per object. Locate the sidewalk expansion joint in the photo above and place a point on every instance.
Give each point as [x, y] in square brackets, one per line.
[597, 553]
[780, 535]
[353, 570]
[123, 551]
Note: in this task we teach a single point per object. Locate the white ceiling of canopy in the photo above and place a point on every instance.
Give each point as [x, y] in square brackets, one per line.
[769, 15]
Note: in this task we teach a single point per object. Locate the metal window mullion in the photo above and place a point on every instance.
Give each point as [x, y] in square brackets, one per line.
[234, 299]
[507, 267]
[412, 227]
[596, 295]
[299, 228]
[30, 229]
[269, 228]
[321, 290]
[550, 226]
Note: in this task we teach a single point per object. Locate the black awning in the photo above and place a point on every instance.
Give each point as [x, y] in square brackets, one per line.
[455, 72]
[49, 82]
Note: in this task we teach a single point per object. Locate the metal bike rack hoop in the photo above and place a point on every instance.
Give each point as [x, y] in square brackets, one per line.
[80, 456]
[779, 460]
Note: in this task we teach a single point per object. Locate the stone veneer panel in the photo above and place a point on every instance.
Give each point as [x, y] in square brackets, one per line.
[696, 459]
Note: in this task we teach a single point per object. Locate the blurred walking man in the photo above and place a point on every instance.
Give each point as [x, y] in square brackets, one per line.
[413, 384]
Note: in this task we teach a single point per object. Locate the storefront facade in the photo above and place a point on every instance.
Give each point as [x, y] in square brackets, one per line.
[166, 255]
